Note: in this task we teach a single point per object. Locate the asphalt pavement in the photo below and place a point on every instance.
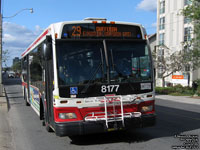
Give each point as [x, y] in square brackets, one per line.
[139, 139]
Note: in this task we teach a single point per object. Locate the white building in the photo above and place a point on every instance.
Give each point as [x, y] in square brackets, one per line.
[152, 41]
[172, 30]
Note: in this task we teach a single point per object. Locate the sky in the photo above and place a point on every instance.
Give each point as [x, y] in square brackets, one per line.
[20, 31]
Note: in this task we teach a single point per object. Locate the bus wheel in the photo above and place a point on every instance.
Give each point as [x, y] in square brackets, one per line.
[26, 99]
[46, 124]
[48, 128]
[41, 110]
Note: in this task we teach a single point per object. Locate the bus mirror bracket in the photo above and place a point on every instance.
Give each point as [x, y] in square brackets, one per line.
[47, 49]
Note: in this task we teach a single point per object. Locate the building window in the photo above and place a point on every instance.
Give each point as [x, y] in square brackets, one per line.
[187, 34]
[162, 7]
[162, 23]
[187, 2]
[161, 39]
[187, 20]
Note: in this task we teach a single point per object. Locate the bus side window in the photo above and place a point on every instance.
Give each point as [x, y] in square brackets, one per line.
[24, 69]
[35, 68]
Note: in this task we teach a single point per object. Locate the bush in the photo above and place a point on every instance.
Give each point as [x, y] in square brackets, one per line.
[176, 90]
[198, 90]
[196, 86]
[164, 90]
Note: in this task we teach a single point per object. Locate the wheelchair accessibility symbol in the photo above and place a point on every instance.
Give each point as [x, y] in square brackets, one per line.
[73, 90]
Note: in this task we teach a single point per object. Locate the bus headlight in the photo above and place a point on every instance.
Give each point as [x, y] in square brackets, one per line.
[147, 108]
[67, 116]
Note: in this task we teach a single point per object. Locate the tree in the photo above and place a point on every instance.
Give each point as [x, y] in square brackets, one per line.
[5, 57]
[168, 62]
[17, 67]
[192, 12]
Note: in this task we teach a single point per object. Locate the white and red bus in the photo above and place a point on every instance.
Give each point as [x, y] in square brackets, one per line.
[90, 76]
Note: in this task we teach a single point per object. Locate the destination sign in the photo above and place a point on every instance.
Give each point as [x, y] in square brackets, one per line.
[79, 31]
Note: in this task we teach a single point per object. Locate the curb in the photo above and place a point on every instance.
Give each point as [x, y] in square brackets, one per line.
[180, 99]
[5, 130]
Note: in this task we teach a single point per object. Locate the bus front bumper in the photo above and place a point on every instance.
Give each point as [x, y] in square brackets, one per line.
[91, 127]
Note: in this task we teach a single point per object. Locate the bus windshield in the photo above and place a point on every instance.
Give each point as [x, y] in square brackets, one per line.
[83, 62]
[79, 61]
[129, 61]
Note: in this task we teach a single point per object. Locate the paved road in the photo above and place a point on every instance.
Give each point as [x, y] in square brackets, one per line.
[174, 118]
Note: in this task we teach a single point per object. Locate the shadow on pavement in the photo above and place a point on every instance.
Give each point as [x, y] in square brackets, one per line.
[7, 100]
[12, 81]
[170, 122]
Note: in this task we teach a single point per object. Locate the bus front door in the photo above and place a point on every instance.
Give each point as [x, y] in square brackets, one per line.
[49, 115]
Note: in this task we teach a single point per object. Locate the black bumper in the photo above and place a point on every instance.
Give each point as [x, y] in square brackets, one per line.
[81, 128]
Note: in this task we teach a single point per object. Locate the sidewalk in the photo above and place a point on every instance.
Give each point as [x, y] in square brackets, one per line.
[5, 130]
[180, 99]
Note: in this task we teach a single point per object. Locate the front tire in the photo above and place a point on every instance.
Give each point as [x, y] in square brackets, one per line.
[47, 126]
[26, 98]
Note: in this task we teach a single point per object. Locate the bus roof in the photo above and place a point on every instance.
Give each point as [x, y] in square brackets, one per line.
[56, 28]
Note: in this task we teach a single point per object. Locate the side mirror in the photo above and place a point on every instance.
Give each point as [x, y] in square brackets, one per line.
[47, 49]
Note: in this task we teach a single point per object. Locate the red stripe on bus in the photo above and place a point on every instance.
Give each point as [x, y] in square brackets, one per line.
[101, 110]
[44, 34]
[83, 112]
[24, 84]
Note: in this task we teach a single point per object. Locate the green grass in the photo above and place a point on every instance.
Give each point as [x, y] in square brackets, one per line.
[175, 91]
[180, 94]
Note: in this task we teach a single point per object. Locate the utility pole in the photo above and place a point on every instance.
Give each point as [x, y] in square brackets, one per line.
[1, 29]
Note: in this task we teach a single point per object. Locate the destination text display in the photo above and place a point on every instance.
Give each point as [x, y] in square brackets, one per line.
[101, 31]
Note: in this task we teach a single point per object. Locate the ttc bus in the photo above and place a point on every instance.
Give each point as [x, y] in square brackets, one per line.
[90, 76]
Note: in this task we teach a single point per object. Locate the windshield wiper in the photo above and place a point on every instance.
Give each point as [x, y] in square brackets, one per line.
[93, 75]
[91, 79]
[114, 67]
[107, 64]
[102, 64]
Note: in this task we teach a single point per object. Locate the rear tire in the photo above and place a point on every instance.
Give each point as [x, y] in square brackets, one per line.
[41, 110]
[47, 126]
[43, 123]
[25, 98]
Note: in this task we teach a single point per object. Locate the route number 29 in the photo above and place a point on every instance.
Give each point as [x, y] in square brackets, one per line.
[109, 88]
[76, 31]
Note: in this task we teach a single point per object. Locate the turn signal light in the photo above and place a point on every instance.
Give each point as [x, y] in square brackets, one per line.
[67, 116]
[147, 108]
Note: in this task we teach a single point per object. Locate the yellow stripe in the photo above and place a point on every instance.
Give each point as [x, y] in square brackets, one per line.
[56, 97]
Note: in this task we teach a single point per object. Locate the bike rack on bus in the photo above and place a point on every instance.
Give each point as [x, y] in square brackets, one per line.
[111, 117]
